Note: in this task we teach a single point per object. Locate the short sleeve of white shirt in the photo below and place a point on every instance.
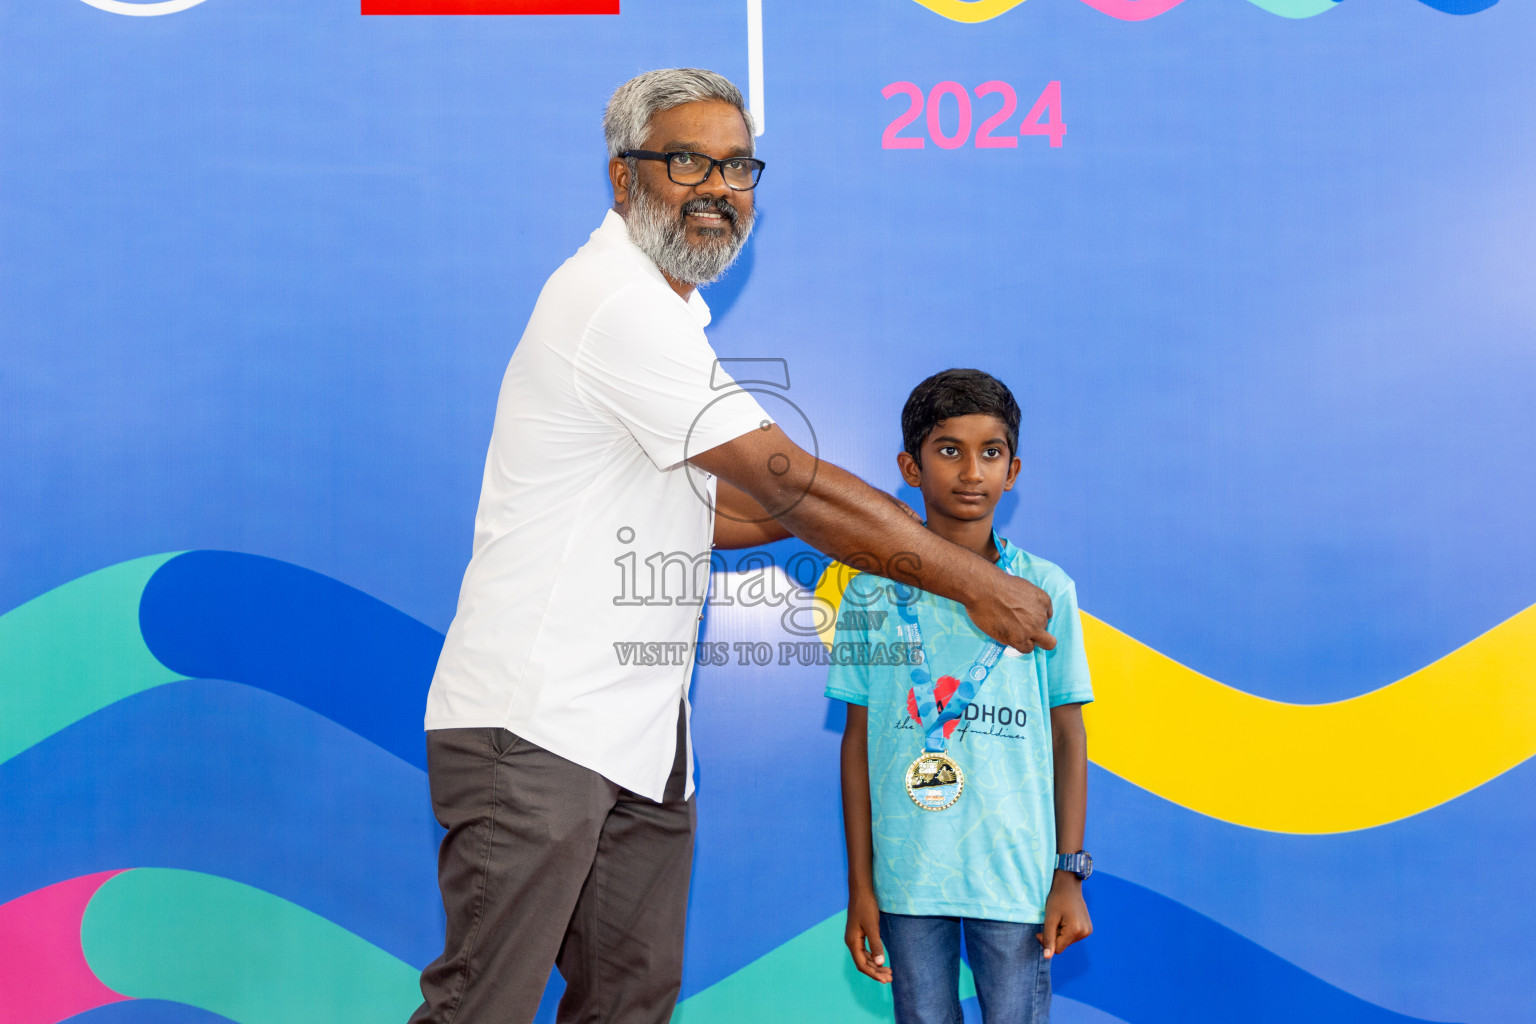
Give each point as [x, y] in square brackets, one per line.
[644, 360]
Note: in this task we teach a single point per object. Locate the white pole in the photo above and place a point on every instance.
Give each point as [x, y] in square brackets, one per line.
[755, 63]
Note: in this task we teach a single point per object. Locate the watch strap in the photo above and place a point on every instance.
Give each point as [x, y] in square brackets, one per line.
[1079, 863]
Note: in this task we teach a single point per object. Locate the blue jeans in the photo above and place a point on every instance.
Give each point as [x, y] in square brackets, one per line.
[1013, 978]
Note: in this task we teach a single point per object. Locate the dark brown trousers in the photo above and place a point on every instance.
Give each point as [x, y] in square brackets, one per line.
[546, 864]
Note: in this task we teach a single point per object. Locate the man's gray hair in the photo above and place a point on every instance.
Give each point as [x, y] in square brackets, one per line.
[628, 117]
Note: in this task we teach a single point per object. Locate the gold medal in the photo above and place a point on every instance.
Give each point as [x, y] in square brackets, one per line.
[934, 781]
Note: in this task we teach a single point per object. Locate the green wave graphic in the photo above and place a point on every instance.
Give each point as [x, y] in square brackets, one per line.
[73, 651]
[809, 980]
[230, 949]
[1295, 8]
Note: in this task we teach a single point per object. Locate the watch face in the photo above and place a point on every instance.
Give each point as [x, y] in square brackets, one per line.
[1087, 864]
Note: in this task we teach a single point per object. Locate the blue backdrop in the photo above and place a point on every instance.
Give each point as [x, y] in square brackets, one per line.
[1268, 308]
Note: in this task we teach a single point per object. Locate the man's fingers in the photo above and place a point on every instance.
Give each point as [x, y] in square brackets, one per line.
[1041, 639]
[905, 507]
[1031, 611]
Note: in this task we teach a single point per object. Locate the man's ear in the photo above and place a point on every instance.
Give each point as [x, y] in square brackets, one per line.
[618, 175]
[1013, 473]
[910, 471]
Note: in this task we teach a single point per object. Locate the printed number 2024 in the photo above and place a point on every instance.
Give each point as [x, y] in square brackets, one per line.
[1044, 118]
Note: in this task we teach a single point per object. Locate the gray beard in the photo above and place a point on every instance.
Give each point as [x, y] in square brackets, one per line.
[663, 237]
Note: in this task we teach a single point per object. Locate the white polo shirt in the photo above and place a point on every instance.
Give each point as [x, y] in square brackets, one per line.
[612, 383]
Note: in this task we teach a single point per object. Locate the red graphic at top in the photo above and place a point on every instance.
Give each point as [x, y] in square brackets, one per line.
[490, 6]
[942, 691]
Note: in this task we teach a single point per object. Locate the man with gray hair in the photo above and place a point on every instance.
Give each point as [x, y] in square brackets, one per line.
[561, 769]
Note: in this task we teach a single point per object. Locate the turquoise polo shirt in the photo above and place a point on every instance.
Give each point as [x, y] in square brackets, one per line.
[992, 854]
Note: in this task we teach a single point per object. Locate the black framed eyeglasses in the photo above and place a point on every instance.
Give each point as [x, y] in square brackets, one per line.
[739, 172]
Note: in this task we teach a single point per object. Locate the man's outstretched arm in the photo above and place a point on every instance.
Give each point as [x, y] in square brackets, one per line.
[741, 522]
[834, 511]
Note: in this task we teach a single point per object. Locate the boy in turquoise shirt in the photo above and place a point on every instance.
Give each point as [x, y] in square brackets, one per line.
[964, 774]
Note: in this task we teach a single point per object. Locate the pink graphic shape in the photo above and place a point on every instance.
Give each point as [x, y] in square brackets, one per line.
[1133, 10]
[43, 972]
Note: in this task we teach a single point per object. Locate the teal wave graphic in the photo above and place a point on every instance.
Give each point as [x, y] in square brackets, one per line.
[239, 952]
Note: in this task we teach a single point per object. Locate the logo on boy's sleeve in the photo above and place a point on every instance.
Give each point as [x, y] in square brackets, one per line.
[759, 381]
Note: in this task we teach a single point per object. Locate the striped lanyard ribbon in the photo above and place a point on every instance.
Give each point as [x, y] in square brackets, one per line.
[933, 719]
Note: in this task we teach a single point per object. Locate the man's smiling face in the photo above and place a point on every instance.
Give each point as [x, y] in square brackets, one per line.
[693, 232]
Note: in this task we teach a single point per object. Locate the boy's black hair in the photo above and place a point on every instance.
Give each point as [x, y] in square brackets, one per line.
[957, 393]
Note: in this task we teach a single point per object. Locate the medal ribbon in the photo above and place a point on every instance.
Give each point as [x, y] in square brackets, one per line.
[934, 720]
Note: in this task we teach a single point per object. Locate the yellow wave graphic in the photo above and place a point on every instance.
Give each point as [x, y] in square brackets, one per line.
[1389, 754]
[970, 11]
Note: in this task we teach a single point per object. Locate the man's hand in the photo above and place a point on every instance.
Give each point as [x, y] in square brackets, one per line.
[1014, 612]
[864, 927]
[1066, 915]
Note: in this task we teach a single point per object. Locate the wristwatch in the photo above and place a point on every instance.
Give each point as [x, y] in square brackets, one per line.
[1079, 863]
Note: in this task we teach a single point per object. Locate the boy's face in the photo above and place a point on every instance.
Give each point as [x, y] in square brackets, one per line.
[966, 466]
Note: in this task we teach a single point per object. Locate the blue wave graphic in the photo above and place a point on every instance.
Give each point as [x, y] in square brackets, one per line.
[1454, 6]
[298, 634]
[1151, 960]
[148, 1011]
[1360, 905]
[229, 780]
[1459, 6]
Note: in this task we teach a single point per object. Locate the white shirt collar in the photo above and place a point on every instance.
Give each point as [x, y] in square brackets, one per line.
[613, 233]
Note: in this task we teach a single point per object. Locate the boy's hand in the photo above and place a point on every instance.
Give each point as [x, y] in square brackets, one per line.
[903, 506]
[864, 926]
[1013, 612]
[1066, 915]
